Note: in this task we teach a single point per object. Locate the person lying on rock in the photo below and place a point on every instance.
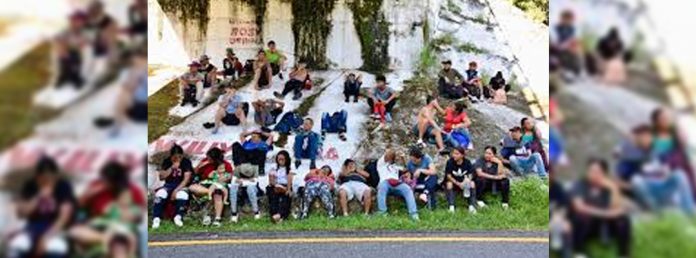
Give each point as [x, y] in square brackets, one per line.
[266, 111]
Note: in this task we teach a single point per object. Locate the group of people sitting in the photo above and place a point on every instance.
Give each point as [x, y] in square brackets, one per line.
[569, 58]
[452, 85]
[104, 220]
[651, 173]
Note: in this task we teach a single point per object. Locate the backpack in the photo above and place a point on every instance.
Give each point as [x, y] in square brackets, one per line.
[308, 83]
[461, 139]
[290, 122]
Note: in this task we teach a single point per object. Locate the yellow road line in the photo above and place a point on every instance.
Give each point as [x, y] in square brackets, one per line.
[349, 240]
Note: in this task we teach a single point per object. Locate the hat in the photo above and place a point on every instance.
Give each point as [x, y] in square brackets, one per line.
[204, 57]
[447, 62]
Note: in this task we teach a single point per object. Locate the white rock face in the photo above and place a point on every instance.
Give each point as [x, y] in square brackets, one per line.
[343, 48]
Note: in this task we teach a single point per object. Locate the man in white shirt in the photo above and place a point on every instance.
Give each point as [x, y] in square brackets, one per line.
[391, 183]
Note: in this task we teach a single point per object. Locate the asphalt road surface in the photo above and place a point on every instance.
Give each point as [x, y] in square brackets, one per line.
[353, 244]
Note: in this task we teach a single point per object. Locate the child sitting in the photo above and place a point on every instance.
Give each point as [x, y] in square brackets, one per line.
[218, 180]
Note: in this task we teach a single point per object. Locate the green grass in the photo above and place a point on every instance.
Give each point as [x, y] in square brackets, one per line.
[427, 61]
[452, 7]
[18, 84]
[538, 10]
[469, 47]
[446, 39]
[671, 236]
[528, 211]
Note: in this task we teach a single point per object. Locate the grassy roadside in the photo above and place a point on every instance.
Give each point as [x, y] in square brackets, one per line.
[18, 84]
[528, 211]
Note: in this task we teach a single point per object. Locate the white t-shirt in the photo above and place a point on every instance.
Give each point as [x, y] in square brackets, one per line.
[388, 170]
[281, 175]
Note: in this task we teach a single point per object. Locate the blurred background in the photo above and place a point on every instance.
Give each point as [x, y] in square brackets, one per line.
[73, 111]
[622, 128]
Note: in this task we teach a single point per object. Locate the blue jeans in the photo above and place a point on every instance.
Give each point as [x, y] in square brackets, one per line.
[532, 162]
[335, 123]
[251, 193]
[310, 152]
[656, 192]
[403, 190]
[428, 185]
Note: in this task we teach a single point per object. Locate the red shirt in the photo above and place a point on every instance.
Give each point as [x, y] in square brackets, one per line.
[98, 204]
[205, 171]
[451, 119]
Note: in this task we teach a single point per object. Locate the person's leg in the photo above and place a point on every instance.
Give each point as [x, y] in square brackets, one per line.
[450, 194]
[342, 120]
[371, 103]
[180, 201]
[367, 199]
[219, 115]
[621, 229]
[539, 164]
[285, 204]
[406, 192]
[422, 128]
[310, 192]
[199, 91]
[481, 184]
[288, 87]
[234, 192]
[438, 138]
[325, 123]
[504, 186]
[516, 164]
[241, 115]
[238, 154]
[273, 201]
[472, 192]
[382, 191]
[390, 105]
[343, 199]
[313, 147]
[431, 186]
[297, 146]
[680, 182]
[642, 190]
[161, 197]
[252, 191]
[218, 204]
[581, 234]
[327, 199]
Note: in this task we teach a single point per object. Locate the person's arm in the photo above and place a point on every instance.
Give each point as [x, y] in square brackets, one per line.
[439, 108]
[480, 173]
[583, 208]
[64, 215]
[430, 170]
[269, 138]
[184, 183]
[291, 176]
[164, 173]
[458, 75]
[392, 97]
[271, 179]
[242, 136]
[363, 173]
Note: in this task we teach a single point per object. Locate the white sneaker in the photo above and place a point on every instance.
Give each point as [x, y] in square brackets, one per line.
[481, 204]
[206, 220]
[505, 206]
[217, 223]
[234, 219]
[178, 221]
[155, 223]
[472, 209]
[257, 216]
[420, 142]
[451, 209]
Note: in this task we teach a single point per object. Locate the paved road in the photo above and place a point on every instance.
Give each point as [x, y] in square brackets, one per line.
[352, 244]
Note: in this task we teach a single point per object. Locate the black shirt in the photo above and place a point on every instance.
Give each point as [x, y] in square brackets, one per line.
[598, 197]
[177, 175]
[48, 208]
[487, 167]
[459, 171]
[207, 69]
[354, 176]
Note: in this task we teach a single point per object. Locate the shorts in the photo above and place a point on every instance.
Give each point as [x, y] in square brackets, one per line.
[231, 119]
[428, 130]
[138, 112]
[354, 189]
[275, 68]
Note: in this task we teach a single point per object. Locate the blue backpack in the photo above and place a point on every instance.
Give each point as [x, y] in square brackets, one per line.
[290, 122]
[461, 140]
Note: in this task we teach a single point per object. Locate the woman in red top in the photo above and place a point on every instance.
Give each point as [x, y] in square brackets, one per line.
[200, 187]
[457, 120]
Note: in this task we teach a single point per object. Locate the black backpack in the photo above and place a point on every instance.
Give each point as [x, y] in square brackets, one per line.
[371, 168]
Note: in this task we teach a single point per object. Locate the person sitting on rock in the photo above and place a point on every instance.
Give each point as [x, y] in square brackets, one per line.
[531, 136]
[354, 186]
[382, 100]
[267, 111]
[132, 101]
[491, 173]
[69, 47]
[252, 148]
[457, 125]
[427, 127]
[231, 65]
[473, 82]
[276, 58]
[246, 177]
[191, 85]
[565, 50]
[422, 169]
[611, 56]
[280, 187]
[262, 71]
[307, 144]
[208, 70]
[319, 183]
[448, 85]
[460, 175]
[231, 110]
[201, 187]
[176, 172]
[298, 77]
[351, 87]
[496, 90]
[390, 167]
[519, 156]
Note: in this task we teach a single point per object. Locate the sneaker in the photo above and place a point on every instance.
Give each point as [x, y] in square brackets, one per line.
[356, 100]
[206, 220]
[312, 165]
[323, 135]
[280, 75]
[451, 208]
[234, 219]
[347, 100]
[182, 104]
[472, 209]
[505, 206]
[215, 130]
[217, 223]
[415, 217]
[278, 95]
[195, 104]
[342, 136]
[257, 215]
[155, 223]
[388, 117]
[297, 96]
[481, 204]
[178, 221]
[375, 116]
[420, 143]
[332, 216]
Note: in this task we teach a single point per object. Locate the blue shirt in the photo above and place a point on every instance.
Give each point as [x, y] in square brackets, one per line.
[233, 104]
[424, 164]
[140, 94]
